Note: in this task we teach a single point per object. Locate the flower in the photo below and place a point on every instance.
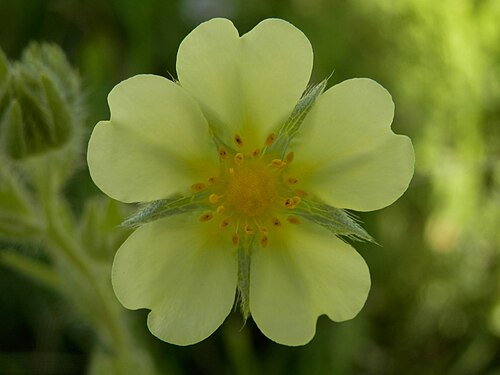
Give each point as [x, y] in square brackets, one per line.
[241, 167]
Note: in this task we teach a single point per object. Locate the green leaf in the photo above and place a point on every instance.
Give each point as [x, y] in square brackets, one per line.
[338, 221]
[166, 207]
[290, 128]
[37, 271]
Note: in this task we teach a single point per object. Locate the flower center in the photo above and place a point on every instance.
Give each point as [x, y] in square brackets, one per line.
[251, 190]
[251, 194]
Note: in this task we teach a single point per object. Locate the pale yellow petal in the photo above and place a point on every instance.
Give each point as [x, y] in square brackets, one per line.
[245, 85]
[347, 154]
[183, 272]
[301, 275]
[156, 143]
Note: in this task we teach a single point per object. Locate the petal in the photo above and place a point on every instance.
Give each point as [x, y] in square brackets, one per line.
[246, 85]
[155, 144]
[301, 276]
[347, 153]
[178, 268]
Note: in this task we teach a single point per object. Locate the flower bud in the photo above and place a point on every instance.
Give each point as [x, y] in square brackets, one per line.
[39, 102]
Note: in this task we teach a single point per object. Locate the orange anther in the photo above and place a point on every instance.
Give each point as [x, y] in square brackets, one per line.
[224, 223]
[198, 187]
[293, 220]
[222, 153]
[270, 139]
[238, 140]
[235, 239]
[238, 158]
[206, 217]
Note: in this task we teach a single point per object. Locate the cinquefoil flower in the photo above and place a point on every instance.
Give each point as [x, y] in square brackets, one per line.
[248, 178]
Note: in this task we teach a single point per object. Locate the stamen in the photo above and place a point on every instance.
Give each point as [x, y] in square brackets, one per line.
[213, 180]
[293, 219]
[270, 139]
[256, 152]
[291, 203]
[220, 209]
[264, 240]
[222, 153]
[289, 157]
[198, 187]
[248, 230]
[235, 239]
[231, 171]
[238, 158]
[276, 222]
[300, 193]
[213, 198]
[292, 181]
[206, 217]
[277, 163]
[262, 229]
[224, 223]
[238, 140]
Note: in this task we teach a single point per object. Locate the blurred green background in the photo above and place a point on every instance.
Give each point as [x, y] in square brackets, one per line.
[434, 307]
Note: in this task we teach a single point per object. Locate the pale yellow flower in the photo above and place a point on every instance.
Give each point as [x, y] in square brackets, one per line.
[241, 180]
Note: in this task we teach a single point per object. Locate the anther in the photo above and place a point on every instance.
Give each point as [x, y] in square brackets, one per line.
[224, 223]
[262, 229]
[213, 180]
[300, 193]
[276, 222]
[289, 157]
[256, 152]
[220, 209]
[222, 153]
[198, 187]
[213, 198]
[270, 139]
[291, 203]
[248, 230]
[206, 217]
[231, 171]
[235, 239]
[293, 219]
[292, 180]
[238, 140]
[238, 158]
[277, 163]
[264, 240]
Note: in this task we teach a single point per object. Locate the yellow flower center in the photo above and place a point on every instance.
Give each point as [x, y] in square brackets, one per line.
[251, 193]
[251, 190]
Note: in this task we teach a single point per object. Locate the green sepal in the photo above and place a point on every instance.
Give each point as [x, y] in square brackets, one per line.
[61, 117]
[290, 128]
[340, 222]
[166, 207]
[244, 259]
[13, 139]
[4, 81]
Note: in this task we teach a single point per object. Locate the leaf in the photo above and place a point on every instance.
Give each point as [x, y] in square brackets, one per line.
[38, 271]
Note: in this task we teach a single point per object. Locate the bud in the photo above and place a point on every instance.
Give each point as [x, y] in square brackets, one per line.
[39, 102]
